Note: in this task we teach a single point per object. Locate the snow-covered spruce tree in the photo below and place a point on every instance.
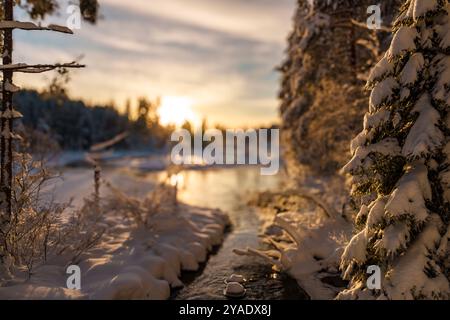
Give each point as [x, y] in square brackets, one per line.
[321, 96]
[401, 163]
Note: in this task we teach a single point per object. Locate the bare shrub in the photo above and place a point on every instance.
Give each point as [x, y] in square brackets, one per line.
[82, 231]
[38, 142]
[40, 228]
[162, 199]
[33, 223]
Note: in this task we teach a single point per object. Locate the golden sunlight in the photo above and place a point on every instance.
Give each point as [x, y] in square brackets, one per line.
[176, 111]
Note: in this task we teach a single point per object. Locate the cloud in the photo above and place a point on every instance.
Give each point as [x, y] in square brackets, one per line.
[263, 20]
[220, 53]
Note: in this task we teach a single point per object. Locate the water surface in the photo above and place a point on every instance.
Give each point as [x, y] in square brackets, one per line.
[229, 190]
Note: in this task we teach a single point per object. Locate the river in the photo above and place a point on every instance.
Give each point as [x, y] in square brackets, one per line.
[227, 189]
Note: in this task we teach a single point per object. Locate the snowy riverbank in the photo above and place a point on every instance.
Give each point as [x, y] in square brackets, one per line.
[130, 261]
[305, 234]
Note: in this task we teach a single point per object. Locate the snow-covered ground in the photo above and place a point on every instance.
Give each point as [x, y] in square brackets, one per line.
[306, 234]
[145, 263]
[139, 160]
[313, 257]
[129, 262]
[75, 184]
[132, 263]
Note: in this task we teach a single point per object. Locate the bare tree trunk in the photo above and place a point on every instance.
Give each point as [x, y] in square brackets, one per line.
[97, 177]
[6, 124]
[7, 216]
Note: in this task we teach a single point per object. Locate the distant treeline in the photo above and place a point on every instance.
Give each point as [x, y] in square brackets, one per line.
[74, 125]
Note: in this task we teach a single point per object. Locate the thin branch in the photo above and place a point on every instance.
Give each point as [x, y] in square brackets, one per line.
[364, 25]
[329, 211]
[261, 254]
[32, 26]
[38, 68]
[290, 229]
[106, 144]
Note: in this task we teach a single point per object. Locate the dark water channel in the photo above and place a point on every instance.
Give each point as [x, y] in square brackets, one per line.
[228, 189]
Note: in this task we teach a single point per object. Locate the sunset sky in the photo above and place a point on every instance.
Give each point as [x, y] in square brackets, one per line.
[219, 55]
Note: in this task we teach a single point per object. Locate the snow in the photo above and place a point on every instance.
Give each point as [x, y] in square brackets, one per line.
[377, 119]
[411, 71]
[443, 246]
[381, 69]
[301, 261]
[355, 251]
[33, 26]
[376, 213]
[395, 237]
[402, 229]
[234, 289]
[312, 25]
[11, 114]
[382, 92]
[5, 24]
[410, 194]
[357, 292]
[411, 266]
[426, 38]
[444, 33]
[424, 137]
[358, 141]
[388, 146]
[444, 177]
[131, 261]
[362, 214]
[440, 91]
[138, 160]
[404, 93]
[11, 87]
[419, 8]
[13, 66]
[307, 244]
[397, 282]
[236, 278]
[57, 28]
[396, 119]
[402, 42]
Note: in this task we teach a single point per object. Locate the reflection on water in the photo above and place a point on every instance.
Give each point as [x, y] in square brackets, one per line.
[228, 189]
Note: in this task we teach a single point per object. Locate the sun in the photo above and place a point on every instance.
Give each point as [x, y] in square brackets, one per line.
[176, 111]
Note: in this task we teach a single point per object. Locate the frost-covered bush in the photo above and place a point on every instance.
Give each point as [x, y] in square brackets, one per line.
[323, 132]
[401, 163]
[162, 199]
[40, 229]
[32, 228]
